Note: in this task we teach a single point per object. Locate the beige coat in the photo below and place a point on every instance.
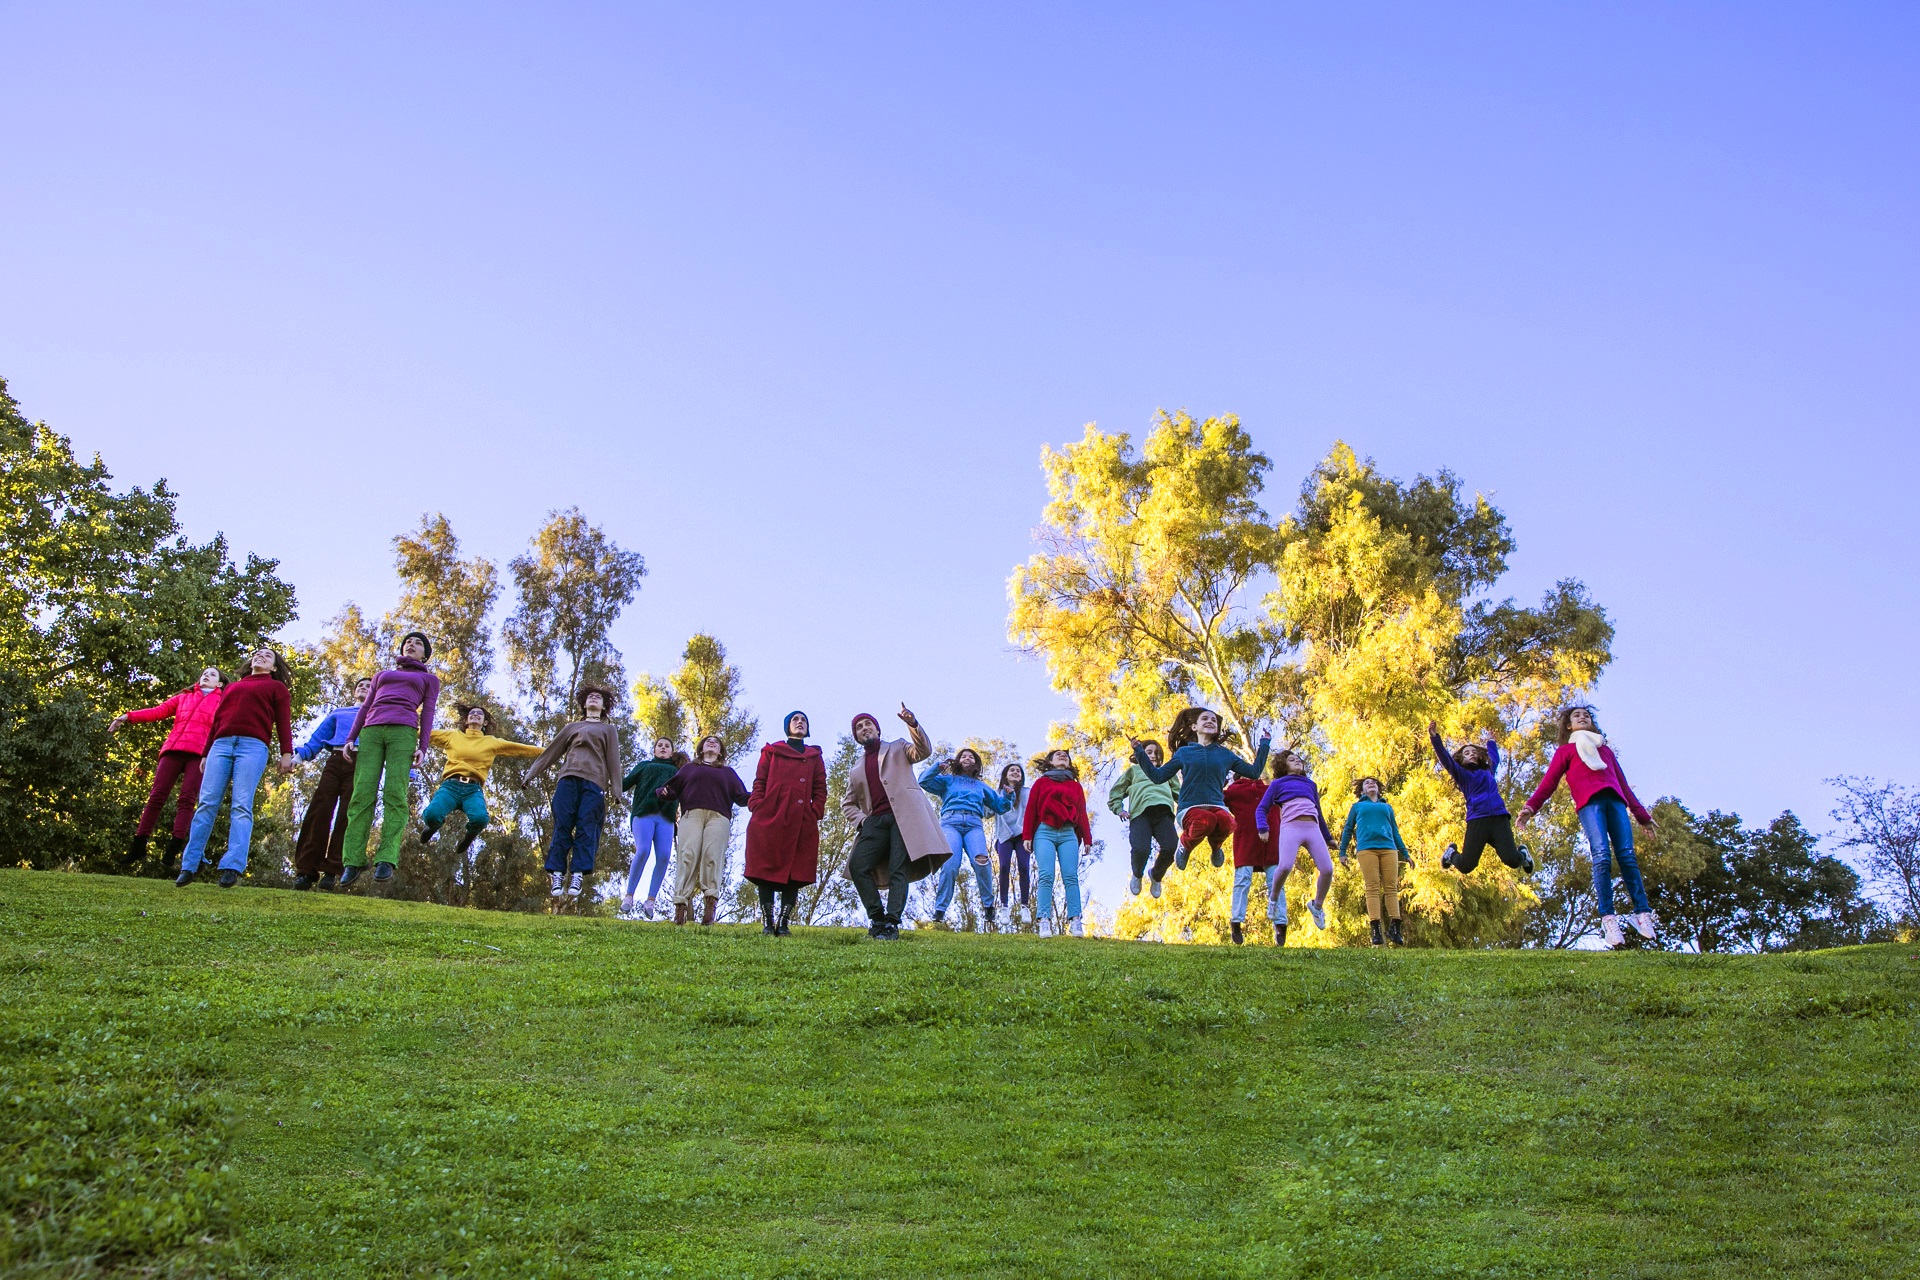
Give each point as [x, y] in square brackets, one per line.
[912, 810]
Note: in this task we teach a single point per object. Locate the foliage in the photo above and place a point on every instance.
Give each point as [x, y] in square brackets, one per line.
[407, 1090]
[1882, 820]
[572, 583]
[701, 697]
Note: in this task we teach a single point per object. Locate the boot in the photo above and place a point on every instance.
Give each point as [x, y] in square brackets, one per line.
[182, 880]
[1379, 940]
[467, 838]
[992, 925]
[1280, 934]
[878, 929]
[326, 881]
[1394, 934]
[137, 849]
[713, 906]
[767, 926]
[427, 833]
[1238, 935]
[781, 928]
[679, 913]
[1526, 859]
[303, 881]
[176, 845]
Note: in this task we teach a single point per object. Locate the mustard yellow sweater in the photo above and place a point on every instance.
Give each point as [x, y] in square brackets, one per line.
[470, 753]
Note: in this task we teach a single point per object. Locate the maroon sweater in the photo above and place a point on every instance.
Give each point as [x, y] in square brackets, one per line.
[255, 706]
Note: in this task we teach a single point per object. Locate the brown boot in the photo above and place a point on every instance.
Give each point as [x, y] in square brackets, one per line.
[713, 905]
[679, 913]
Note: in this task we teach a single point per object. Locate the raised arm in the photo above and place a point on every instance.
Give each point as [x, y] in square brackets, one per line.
[921, 747]
[1440, 753]
[932, 780]
[1246, 770]
[996, 801]
[1158, 773]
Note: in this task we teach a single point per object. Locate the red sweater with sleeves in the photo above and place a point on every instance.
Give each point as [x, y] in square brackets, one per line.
[1586, 783]
[255, 706]
[1057, 802]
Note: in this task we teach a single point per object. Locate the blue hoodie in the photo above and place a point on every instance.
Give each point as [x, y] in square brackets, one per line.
[331, 732]
[1203, 772]
[1481, 787]
[961, 795]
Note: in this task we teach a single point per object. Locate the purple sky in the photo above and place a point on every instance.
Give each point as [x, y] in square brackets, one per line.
[789, 299]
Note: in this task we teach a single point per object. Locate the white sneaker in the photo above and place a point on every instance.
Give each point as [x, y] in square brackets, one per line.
[626, 904]
[1610, 929]
[573, 884]
[1046, 928]
[1643, 924]
[559, 883]
[1076, 928]
[1319, 914]
[1133, 887]
[1156, 888]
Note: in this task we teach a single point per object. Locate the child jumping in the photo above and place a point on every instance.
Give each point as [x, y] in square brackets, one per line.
[1146, 807]
[1603, 798]
[1475, 770]
[471, 751]
[191, 711]
[1203, 765]
[1302, 825]
[1371, 826]
[652, 822]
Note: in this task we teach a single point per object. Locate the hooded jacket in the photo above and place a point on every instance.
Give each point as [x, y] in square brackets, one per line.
[192, 710]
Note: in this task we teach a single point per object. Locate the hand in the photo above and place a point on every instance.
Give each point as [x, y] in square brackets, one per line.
[1526, 816]
[286, 764]
[1433, 728]
[908, 716]
[116, 724]
[420, 757]
[1650, 824]
[349, 751]
[1343, 862]
[662, 793]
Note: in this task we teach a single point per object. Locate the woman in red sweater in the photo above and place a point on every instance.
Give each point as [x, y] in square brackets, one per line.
[1601, 794]
[1056, 827]
[191, 711]
[252, 711]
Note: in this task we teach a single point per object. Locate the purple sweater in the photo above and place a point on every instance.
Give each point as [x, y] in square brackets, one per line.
[1293, 786]
[1481, 787]
[405, 695]
[713, 787]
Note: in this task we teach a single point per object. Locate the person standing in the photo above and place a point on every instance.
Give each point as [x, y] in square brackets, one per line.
[253, 711]
[899, 838]
[783, 834]
[191, 711]
[1057, 826]
[588, 753]
[1146, 807]
[323, 831]
[1204, 766]
[1373, 828]
[652, 821]
[706, 790]
[1604, 800]
[471, 750]
[1011, 844]
[388, 738]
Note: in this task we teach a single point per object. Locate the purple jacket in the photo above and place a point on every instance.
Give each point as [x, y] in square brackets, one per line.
[1481, 787]
[404, 695]
[1292, 786]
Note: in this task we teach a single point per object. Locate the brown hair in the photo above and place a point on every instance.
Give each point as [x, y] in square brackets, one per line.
[1279, 766]
[464, 709]
[1566, 720]
[1154, 743]
[586, 691]
[1044, 761]
[280, 672]
[1360, 787]
[1183, 731]
[713, 738]
[978, 764]
[1460, 756]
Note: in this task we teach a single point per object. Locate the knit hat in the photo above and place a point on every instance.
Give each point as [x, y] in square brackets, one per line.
[786, 725]
[425, 644]
[864, 715]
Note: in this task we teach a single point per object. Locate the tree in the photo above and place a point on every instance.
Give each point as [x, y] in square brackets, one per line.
[1883, 822]
[573, 583]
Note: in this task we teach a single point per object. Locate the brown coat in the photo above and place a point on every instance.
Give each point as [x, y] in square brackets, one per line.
[912, 810]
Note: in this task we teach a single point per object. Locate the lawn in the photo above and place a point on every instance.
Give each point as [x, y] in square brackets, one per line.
[258, 1082]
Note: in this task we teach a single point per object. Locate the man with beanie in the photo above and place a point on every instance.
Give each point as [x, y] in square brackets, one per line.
[899, 840]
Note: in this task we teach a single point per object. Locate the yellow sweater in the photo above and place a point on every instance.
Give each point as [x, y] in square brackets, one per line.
[470, 753]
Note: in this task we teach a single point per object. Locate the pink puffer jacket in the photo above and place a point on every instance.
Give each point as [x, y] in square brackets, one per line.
[192, 710]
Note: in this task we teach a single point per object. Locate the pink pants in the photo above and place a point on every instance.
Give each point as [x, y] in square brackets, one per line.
[1288, 840]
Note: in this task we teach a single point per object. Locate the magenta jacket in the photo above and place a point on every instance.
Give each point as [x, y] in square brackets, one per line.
[1586, 783]
[402, 695]
[192, 710]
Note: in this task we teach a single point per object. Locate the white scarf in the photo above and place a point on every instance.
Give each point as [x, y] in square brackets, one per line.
[1588, 744]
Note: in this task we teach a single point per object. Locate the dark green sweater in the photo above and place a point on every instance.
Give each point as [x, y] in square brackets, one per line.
[643, 780]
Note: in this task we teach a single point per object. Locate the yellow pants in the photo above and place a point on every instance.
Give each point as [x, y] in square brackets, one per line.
[699, 853]
[1380, 871]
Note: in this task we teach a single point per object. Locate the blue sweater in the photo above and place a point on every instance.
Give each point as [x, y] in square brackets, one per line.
[1203, 772]
[1373, 824]
[330, 732]
[960, 794]
[1481, 787]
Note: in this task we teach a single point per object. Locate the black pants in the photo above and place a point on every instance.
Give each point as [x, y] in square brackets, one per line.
[323, 832]
[1481, 832]
[1155, 826]
[880, 844]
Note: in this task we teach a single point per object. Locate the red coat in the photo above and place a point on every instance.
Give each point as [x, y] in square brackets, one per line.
[789, 797]
[1057, 802]
[192, 710]
[1250, 848]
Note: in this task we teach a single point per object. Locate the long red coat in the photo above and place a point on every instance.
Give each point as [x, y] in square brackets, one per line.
[1250, 848]
[789, 797]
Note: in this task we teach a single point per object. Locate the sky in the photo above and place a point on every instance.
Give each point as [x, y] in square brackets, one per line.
[790, 299]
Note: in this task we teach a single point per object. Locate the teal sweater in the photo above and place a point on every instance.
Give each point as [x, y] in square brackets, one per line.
[1373, 823]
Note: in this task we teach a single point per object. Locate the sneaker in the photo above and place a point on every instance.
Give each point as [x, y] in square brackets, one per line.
[1280, 934]
[1446, 859]
[939, 920]
[1319, 914]
[350, 874]
[229, 878]
[626, 904]
[648, 908]
[877, 930]
[303, 882]
[556, 885]
[573, 884]
[1643, 924]
[1373, 928]
[1156, 889]
[1133, 887]
[1046, 927]
[1219, 856]
[1238, 936]
[1180, 858]
[383, 871]
[1610, 930]
[1076, 928]
[1526, 859]
[182, 880]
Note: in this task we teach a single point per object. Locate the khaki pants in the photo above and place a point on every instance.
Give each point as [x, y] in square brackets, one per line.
[700, 852]
[1380, 872]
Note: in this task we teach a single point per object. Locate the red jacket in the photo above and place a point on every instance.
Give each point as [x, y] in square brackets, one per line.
[1250, 848]
[255, 706]
[789, 798]
[1586, 783]
[192, 710]
[1057, 802]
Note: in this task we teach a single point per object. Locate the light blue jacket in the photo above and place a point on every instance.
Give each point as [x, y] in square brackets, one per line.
[961, 795]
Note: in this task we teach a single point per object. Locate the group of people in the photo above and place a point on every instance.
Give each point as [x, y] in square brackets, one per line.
[909, 825]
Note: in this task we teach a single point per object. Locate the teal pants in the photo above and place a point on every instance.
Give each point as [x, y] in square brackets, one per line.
[380, 771]
[456, 793]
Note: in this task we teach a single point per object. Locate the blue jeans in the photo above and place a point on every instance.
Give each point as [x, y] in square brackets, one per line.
[1243, 888]
[967, 837]
[241, 761]
[579, 807]
[1609, 830]
[651, 834]
[1062, 844]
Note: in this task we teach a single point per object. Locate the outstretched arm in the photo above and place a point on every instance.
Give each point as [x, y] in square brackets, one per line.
[1157, 772]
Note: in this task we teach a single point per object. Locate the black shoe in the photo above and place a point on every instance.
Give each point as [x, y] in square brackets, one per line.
[1238, 936]
[780, 928]
[383, 871]
[893, 930]
[878, 929]
[1374, 928]
[766, 921]
[176, 845]
[303, 882]
[1526, 859]
[939, 919]
[1280, 935]
[466, 841]
[1394, 935]
[428, 833]
[1180, 859]
[326, 882]
[350, 874]
[1446, 859]
[1219, 856]
[229, 878]
[137, 849]
[182, 880]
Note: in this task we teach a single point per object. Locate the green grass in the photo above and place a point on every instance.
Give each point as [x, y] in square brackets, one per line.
[258, 1082]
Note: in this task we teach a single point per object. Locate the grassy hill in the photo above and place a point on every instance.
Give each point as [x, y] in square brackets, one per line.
[263, 1083]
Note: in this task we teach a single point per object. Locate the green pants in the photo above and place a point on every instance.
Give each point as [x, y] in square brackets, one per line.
[384, 749]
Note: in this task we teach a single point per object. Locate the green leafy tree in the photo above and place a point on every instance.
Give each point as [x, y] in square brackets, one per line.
[572, 583]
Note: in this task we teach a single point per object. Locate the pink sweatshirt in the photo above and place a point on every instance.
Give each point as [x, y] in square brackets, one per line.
[1586, 783]
[192, 710]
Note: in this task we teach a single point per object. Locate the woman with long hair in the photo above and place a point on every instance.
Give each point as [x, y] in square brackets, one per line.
[1373, 828]
[1254, 851]
[1146, 807]
[652, 822]
[1204, 764]
[965, 804]
[1604, 800]
[706, 790]
[253, 711]
[1009, 841]
[191, 711]
[1475, 769]
[1057, 826]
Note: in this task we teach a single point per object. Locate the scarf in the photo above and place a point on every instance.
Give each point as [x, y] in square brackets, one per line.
[1588, 744]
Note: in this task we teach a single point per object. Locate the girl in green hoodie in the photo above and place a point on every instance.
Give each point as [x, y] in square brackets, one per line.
[1146, 807]
[1372, 826]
